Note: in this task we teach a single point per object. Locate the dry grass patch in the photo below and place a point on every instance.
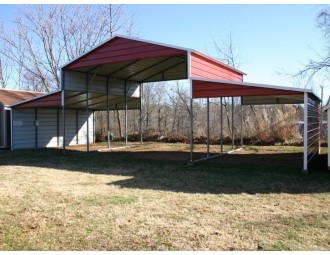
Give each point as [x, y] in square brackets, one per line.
[118, 201]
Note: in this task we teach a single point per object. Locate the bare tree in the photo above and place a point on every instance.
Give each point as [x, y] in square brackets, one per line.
[228, 54]
[44, 37]
[318, 67]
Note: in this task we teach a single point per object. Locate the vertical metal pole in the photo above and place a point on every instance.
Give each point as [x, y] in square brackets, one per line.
[241, 123]
[63, 120]
[87, 117]
[320, 120]
[208, 127]
[305, 169]
[141, 98]
[63, 107]
[221, 126]
[108, 117]
[93, 140]
[232, 123]
[125, 113]
[191, 129]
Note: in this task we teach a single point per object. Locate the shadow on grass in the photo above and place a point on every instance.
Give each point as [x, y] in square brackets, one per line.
[169, 171]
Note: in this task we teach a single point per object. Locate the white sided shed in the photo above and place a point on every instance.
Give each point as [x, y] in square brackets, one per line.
[38, 123]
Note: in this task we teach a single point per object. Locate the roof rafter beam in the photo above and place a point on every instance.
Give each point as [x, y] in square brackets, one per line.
[116, 103]
[79, 94]
[122, 68]
[94, 68]
[81, 101]
[169, 68]
[151, 66]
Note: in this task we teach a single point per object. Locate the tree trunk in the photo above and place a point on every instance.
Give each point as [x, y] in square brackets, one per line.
[119, 124]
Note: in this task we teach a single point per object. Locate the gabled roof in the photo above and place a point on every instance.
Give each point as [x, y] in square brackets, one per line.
[10, 96]
[141, 60]
[120, 49]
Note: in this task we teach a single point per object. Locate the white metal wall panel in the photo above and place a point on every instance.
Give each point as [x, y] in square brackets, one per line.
[98, 84]
[82, 127]
[47, 129]
[76, 81]
[313, 127]
[25, 130]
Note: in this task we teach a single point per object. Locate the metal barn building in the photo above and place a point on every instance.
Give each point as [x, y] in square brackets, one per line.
[7, 98]
[111, 76]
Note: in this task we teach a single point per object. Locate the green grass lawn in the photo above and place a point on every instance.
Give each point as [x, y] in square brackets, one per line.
[149, 198]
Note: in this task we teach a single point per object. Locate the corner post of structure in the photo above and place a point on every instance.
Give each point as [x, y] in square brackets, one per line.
[305, 166]
[191, 129]
[221, 126]
[320, 121]
[191, 107]
[232, 123]
[108, 117]
[125, 112]
[87, 112]
[241, 122]
[208, 127]
[63, 108]
[141, 95]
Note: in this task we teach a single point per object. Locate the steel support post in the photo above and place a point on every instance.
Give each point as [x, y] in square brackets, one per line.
[141, 98]
[63, 120]
[241, 123]
[232, 123]
[108, 117]
[125, 113]
[208, 127]
[87, 112]
[221, 126]
[191, 130]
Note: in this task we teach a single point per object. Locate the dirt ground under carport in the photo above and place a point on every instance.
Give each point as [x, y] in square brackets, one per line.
[291, 156]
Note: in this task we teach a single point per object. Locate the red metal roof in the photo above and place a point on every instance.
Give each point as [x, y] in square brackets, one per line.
[145, 61]
[120, 49]
[203, 88]
[52, 100]
[9, 97]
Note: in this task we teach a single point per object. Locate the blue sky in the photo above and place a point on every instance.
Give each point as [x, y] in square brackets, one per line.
[269, 38]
